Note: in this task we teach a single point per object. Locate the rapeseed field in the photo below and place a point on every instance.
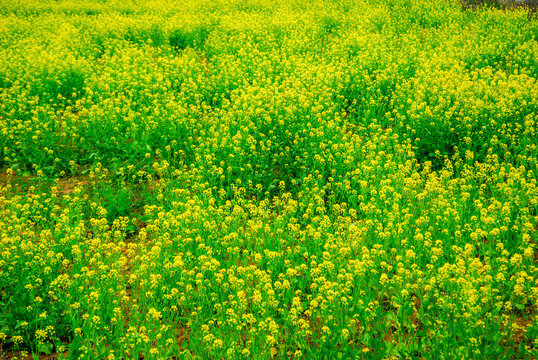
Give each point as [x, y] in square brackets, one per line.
[268, 179]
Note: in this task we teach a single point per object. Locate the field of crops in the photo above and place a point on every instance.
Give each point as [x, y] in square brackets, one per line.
[268, 179]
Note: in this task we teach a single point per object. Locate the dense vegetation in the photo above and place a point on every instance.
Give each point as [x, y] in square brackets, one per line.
[268, 179]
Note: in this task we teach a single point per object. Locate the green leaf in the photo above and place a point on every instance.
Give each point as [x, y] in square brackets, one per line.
[391, 317]
[76, 344]
[45, 348]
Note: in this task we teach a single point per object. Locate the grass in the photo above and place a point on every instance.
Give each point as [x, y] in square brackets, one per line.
[267, 180]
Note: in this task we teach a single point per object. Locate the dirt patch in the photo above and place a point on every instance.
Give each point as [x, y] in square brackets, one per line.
[67, 185]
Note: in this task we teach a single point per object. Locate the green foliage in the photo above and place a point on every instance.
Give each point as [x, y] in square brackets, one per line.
[181, 38]
[50, 86]
[268, 180]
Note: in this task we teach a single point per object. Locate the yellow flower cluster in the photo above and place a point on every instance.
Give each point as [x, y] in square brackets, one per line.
[268, 179]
